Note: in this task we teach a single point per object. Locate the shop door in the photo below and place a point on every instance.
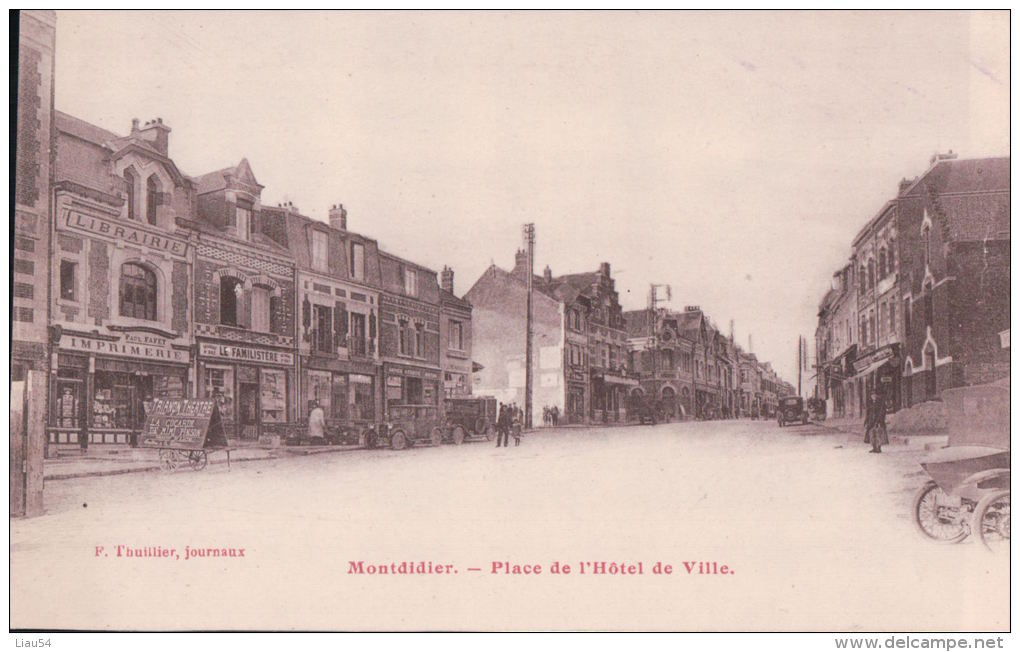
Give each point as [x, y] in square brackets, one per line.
[248, 404]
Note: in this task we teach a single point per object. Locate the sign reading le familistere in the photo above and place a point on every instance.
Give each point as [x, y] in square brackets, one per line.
[245, 354]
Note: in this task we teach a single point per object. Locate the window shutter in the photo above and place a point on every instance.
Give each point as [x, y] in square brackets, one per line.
[340, 324]
[306, 314]
[244, 309]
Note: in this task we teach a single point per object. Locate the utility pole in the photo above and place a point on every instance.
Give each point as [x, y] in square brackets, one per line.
[529, 241]
[800, 360]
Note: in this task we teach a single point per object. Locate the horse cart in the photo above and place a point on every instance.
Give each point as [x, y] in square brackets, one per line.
[184, 432]
[969, 490]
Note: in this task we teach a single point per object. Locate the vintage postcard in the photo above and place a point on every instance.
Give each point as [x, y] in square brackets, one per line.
[634, 321]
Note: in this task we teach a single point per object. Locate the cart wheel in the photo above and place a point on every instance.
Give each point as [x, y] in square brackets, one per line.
[169, 459]
[398, 440]
[197, 459]
[940, 523]
[991, 520]
[481, 424]
[436, 436]
[490, 432]
[458, 435]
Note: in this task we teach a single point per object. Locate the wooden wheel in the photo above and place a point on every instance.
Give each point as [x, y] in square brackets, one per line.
[398, 440]
[169, 459]
[490, 432]
[458, 435]
[436, 436]
[198, 460]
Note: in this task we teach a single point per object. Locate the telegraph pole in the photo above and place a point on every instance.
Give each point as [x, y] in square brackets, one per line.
[529, 240]
[800, 360]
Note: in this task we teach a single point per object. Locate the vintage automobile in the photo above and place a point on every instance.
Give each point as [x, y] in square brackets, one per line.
[649, 412]
[469, 418]
[791, 411]
[816, 409]
[406, 425]
[969, 490]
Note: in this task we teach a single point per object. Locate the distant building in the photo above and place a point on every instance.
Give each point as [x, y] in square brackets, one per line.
[454, 339]
[577, 318]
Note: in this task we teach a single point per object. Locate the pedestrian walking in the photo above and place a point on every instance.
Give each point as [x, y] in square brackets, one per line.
[503, 426]
[516, 424]
[874, 423]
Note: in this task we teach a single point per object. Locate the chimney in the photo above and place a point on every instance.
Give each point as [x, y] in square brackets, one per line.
[338, 217]
[904, 184]
[521, 263]
[446, 279]
[604, 270]
[547, 274]
[155, 132]
[936, 157]
[692, 308]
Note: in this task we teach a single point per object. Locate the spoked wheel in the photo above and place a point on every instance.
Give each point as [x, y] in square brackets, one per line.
[490, 432]
[458, 435]
[169, 459]
[991, 520]
[398, 441]
[436, 436]
[197, 460]
[936, 518]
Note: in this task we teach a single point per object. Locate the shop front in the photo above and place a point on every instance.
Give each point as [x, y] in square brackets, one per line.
[345, 391]
[411, 386]
[250, 384]
[608, 392]
[575, 394]
[882, 370]
[102, 384]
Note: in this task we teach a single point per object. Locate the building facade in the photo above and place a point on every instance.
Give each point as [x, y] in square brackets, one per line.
[120, 280]
[338, 291]
[409, 334]
[30, 300]
[663, 360]
[454, 339]
[930, 273]
[244, 305]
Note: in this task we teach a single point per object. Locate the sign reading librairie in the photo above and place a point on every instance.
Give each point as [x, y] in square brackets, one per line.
[185, 424]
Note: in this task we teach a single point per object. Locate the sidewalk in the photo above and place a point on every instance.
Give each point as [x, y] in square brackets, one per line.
[855, 427]
[67, 463]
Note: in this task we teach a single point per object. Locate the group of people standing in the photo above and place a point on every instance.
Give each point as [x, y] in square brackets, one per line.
[511, 418]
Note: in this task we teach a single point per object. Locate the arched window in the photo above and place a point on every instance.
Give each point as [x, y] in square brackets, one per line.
[926, 238]
[882, 270]
[871, 273]
[151, 199]
[137, 292]
[230, 296]
[929, 304]
[863, 279]
[131, 180]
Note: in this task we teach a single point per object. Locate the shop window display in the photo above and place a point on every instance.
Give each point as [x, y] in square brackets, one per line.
[273, 396]
[219, 385]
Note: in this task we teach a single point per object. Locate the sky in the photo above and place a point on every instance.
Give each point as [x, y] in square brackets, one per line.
[732, 156]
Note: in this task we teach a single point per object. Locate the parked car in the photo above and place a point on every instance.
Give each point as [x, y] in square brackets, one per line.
[791, 411]
[468, 418]
[650, 413]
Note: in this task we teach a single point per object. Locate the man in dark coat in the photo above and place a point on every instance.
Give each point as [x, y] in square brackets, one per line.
[874, 424]
[503, 426]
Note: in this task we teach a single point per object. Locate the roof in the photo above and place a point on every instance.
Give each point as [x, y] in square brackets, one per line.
[637, 322]
[964, 175]
[84, 130]
[449, 298]
[217, 179]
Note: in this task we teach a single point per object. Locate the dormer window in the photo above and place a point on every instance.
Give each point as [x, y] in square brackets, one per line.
[411, 282]
[320, 261]
[357, 261]
[242, 221]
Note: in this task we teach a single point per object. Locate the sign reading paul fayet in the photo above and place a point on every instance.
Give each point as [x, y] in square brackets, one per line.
[186, 424]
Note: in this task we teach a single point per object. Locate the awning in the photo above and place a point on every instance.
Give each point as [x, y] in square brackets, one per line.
[870, 368]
